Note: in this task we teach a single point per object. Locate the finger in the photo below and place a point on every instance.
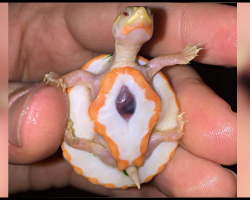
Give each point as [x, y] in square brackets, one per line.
[78, 30]
[180, 176]
[57, 172]
[40, 39]
[52, 172]
[211, 130]
[37, 119]
[187, 175]
[147, 190]
[176, 25]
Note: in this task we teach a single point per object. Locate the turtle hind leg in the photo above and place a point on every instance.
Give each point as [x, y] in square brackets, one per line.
[90, 146]
[166, 136]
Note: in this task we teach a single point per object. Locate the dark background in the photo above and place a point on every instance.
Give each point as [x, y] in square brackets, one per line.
[222, 80]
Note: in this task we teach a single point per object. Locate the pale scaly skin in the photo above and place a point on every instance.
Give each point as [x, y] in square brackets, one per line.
[132, 28]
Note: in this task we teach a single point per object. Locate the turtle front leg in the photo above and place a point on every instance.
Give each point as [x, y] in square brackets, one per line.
[97, 149]
[166, 136]
[52, 77]
[77, 77]
[156, 64]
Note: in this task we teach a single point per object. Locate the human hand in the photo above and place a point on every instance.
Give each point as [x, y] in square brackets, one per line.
[62, 37]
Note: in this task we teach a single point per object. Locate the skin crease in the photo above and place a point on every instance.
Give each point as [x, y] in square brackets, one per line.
[48, 37]
[39, 121]
[207, 136]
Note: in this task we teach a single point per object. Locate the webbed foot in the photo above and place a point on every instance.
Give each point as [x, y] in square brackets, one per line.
[188, 54]
[76, 77]
[52, 77]
[156, 64]
[97, 149]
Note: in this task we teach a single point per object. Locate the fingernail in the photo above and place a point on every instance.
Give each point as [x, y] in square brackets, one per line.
[18, 105]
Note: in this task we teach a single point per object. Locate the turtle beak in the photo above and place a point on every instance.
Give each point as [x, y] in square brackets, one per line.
[140, 19]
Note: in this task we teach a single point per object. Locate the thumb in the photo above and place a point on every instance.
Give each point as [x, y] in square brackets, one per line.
[37, 119]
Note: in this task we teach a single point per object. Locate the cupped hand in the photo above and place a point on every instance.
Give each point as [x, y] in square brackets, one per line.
[63, 37]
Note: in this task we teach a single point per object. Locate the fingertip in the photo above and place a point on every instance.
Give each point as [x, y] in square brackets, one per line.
[187, 175]
[43, 121]
[211, 132]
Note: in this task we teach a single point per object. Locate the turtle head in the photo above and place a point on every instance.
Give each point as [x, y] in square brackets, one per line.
[133, 26]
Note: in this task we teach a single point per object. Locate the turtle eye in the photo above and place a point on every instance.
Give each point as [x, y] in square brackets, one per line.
[125, 13]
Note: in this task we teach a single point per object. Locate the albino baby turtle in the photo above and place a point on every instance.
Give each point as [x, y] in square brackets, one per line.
[124, 119]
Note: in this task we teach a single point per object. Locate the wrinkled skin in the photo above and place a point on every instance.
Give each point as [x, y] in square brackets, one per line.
[202, 144]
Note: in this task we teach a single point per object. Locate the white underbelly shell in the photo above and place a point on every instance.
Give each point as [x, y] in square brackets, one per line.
[91, 166]
[169, 108]
[127, 135]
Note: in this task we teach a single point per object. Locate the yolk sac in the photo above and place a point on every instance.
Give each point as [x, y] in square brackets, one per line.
[125, 103]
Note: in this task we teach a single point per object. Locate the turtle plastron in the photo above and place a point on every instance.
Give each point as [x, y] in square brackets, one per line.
[91, 120]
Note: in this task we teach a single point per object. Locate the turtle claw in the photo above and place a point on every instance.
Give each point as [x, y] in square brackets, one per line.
[181, 122]
[179, 58]
[52, 77]
[189, 53]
